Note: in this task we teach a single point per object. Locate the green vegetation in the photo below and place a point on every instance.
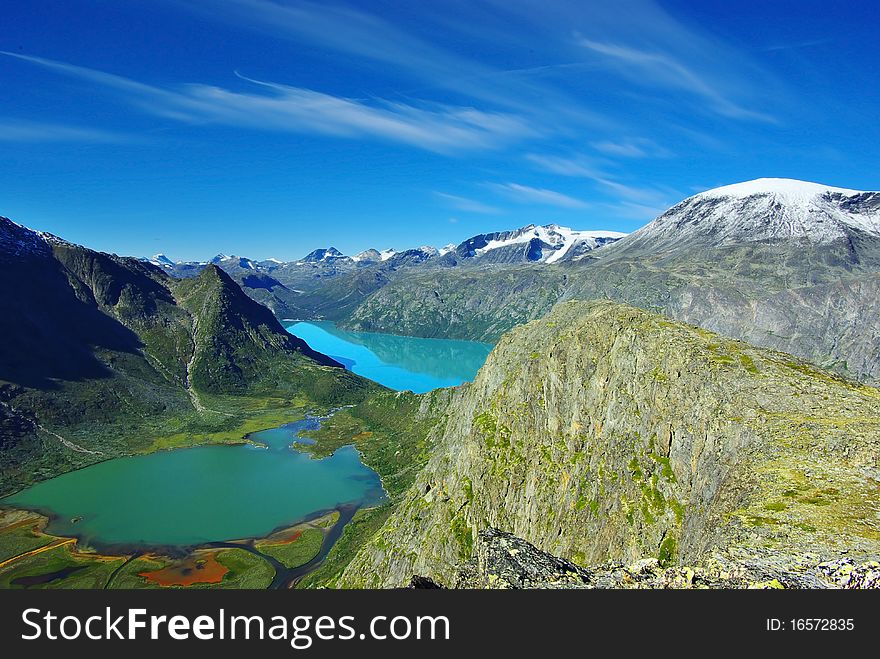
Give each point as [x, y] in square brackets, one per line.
[360, 529]
[21, 537]
[128, 576]
[297, 552]
[74, 569]
[667, 555]
[463, 536]
[389, 431]
[246, 570]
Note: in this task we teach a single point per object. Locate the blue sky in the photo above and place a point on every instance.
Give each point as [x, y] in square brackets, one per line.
[268, 128]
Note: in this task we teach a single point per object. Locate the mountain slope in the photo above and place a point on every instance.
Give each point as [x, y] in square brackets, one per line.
[104, 355]
[606, 432]
[232, 333]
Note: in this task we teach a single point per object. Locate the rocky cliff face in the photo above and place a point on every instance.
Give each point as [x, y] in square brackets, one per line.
[603, 432]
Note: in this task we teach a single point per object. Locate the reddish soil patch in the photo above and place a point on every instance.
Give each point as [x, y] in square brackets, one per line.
[293, 538]
[194, 569]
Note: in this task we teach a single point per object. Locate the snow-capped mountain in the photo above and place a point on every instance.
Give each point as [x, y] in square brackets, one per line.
[537, 244]
[328, 255]
[368, 256]
[239, 261]
[768, 210]
[17, 240]
[162, 261]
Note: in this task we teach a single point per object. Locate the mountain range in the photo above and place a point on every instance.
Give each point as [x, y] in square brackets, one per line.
[330, 285]
[530, 244]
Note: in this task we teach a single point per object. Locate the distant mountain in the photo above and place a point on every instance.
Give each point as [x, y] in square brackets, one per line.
[223, 260]
[533, 244]
[329, 284]
[772, 211]
[323, 256]
[101, 354]
[162, 260]
[368, 256]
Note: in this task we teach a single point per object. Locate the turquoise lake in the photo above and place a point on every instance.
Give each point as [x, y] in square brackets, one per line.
[398, 362]
[205, 494]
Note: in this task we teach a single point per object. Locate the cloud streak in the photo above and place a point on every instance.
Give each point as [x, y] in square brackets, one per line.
[655, 68]
[585, 168]
[434, 127]
[529, 195]
[631, 148]
[467, 205]
[17, 130]
[368, 36]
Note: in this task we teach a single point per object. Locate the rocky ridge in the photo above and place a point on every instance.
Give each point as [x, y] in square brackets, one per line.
[602, 433]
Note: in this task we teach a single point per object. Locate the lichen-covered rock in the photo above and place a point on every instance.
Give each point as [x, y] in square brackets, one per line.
[504, 561]
[602, 433]
[845, 573]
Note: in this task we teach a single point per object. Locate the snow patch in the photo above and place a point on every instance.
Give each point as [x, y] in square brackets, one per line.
[562, 239]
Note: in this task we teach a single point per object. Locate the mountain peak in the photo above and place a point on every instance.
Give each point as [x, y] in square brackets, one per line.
[549, 243]
[323, 255]
[791, 190]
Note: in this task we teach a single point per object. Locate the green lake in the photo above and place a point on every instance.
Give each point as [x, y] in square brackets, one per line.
[204, 494]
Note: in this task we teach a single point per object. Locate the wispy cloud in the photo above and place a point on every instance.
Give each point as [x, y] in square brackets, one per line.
[585, 168]
[434, 127]
[371, 37]
[631, 148]
[797, 45]
[529, 195]
[467, 205]
[579, 166]
[656, 68]
[18, 130]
